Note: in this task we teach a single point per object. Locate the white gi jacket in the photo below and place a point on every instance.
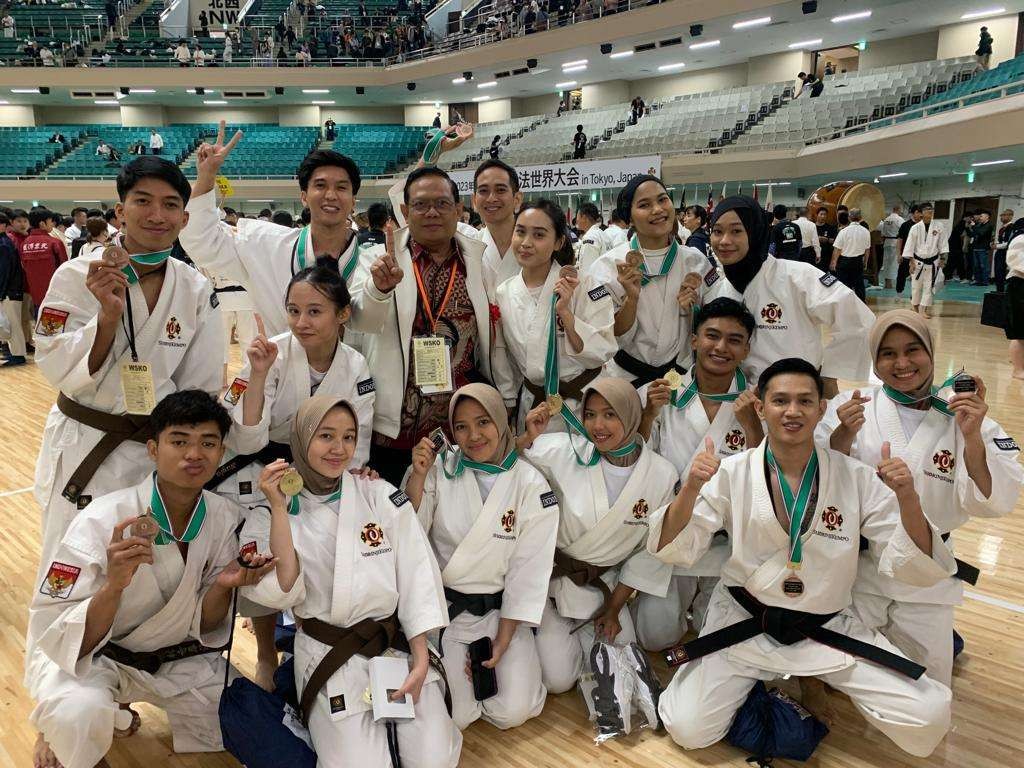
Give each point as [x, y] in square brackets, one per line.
[590, 247]
[364, 559]
[1015, 257]
[809, 235]
[925, 244]
[498, 267]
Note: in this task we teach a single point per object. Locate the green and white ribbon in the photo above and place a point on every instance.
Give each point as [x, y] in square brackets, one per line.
[936, 402]
[432, 151]
[462, 464]
[293, 502]
[666, 265]
[166, 535]
[796, 507]
[149, 259]
[345, 271]
[682, 399]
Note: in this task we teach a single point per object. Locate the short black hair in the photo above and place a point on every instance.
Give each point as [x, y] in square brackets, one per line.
[424, 172]
[590, 211]
[229, 211]
[917, 209]
[19, 213]
[786, 365]
[283, 218]
[94, 213]
[110, 214]
[579, 127]
[377, 216]
[78, 210]
[326, 279]
[189, 407]
[323, 158]
[725, 307]
[513, 176]
[699, 211]
[930, 207]
[66, 221]
[38, 215]
[843, 217]
[4, 221]
[780, 211]
[152, 167]
[266, 212]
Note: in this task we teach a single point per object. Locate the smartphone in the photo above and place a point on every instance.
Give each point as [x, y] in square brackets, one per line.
[485, 681]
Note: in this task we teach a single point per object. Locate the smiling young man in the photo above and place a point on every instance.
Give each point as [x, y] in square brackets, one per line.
[263, 256]
[795, 513]
[152, 566]
[496, 197]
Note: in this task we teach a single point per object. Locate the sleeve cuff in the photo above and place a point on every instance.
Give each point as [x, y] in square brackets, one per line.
[370, 289]
[268, 592]
[904, 561]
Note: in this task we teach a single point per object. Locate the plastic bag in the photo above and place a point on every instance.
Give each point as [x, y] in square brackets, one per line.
[620, 689]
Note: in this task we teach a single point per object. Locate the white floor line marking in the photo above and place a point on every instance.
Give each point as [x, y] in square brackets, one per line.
[15, 493]
[1017, 607]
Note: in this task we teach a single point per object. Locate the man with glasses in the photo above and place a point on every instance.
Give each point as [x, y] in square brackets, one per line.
[422, 301]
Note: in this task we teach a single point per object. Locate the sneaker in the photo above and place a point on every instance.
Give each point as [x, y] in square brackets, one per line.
[606, 705]
[14, 360]
[648, 686]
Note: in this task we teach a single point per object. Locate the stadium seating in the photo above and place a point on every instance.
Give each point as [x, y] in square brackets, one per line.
[27, 151]
[179, 140]
[1009, 72]
[380, 149]
[267, 150]
[475, 149]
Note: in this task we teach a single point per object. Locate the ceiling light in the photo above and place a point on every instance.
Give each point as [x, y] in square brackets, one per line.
[891, 175]
[458, 81]
[322, 101]
[621, 55]
[574, 63]
[805, 43]
[205, 90]
[24, 90]
[567, 84]
[990, 162]
[316, 90]
[705, 44]
[568, 70]
[4, 101]
[143, 90]
[758, 22]
[254, 200]
[213, 102]
[105, 103]
[481, 98]
[851, 17]
[982, 14]
[670, 67]
[488, 84]
[773, 184]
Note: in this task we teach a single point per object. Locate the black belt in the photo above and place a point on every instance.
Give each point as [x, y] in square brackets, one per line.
[270, 452]
[477, 604]
[643, 372]
[964, 571]
[572, 389]
[151, 661]
[787, 627]
[230, 289]
[926, 263]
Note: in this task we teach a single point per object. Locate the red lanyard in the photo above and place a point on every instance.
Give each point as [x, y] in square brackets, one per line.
[431, 314]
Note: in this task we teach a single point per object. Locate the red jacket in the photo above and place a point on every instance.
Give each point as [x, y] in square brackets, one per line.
[41, 254]
[16, 237]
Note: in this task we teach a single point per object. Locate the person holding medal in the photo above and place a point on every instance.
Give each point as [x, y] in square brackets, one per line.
[963, 465]
[549, 299]
[713, 401]
[492, 521]
[655, 282]
[118, 331]
[795, 513]
[606, 480]
[355, 567]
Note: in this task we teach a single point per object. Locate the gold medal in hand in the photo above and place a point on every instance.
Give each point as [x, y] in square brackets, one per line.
[554, 403]
[291, 483]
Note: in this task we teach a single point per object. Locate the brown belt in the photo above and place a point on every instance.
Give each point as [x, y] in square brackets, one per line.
[581, 573]
[118, 428]
[570, 390]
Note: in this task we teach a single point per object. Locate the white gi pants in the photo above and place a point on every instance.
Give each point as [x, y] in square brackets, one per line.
[562, 651]
[890, 258]
[921, 293]
[661, 622]
[12, 309]
[521, 693]
[76, 714]
[922, 631]
[430, 740]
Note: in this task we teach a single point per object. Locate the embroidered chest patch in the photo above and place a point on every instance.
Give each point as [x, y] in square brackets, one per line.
[832, 519]
[372, 535]
[735, 440]
[51, 321]
[944, 461]
[235, 391]
[640, 509]
[771, 313]
[508, 521]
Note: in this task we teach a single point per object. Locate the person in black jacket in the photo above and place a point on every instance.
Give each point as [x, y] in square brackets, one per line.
[785, 241]
[12, 293]
[956, 265]
[695, 219]
[579, 144]
[984, 52]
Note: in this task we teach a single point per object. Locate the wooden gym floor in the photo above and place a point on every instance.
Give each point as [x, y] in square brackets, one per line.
[988, 683]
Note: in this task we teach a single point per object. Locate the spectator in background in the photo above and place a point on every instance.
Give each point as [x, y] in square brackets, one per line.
[303, 58]
[981, 232]
[695, 219]
[636, 108]
[850, 254]
[830, 69]
[786, 240]
[8, 24]
[41, 254]
[204, 24]
[113, 222]
[138, 148]
[12, 291]
[182, 54]
[330, 129]
[826, 237]
[77, 228]
[199, 56]
[283, 219]
[816, 84]
[798, 86]
[46, 55]
[97, 237]
[957, 267]
[1001, 245]
[230, 216]
[111, 8]
[19, 227]
[437, 121]
[376, 220]
[156, 142]
[495, 149]
[265, 214]
[579, 144]
[984, 52]
[229, 49]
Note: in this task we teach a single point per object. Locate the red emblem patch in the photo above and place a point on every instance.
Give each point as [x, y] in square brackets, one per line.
[60, 580]
[736, 440]
[944, 461]
[771, 313]
[173, 328]
[508, 521]
[640, 509]
[238, 386]
[831, 518]
[247, 549]
[372, 535]
[51, 321]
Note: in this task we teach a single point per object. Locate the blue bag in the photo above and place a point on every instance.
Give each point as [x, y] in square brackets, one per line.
[770, 725]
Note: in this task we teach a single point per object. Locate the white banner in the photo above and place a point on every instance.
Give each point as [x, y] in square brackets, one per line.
[219, 13]
[573, 176]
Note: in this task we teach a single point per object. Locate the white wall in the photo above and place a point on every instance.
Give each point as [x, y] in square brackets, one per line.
[900, 50]
[394, 115]
[777, 67]
[233, 115]
[78, 115]
[18, 115]
[545, 104]
[496, 109]
[962, 39]
[701, 81]
[142, 115]
[299, 114]
[420, 114]
[606, 93]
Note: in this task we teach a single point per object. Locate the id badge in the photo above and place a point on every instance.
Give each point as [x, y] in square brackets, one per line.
[432, 364]
[137, 387]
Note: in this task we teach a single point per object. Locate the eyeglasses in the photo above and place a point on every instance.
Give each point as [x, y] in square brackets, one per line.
[442, 206]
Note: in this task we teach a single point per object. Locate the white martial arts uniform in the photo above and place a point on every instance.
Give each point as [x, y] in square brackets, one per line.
[889, 227]
[259, 255]
[791, 301]
[78, 697]
[922, 244]
[363, 557]
[661, 333]
[525, 320]
[920, 621]
[678, 435]
[809, 235]
[181, 340]
[488, 541]
[614, 235]
[590, 247]
[497, 267]
[698, 705]
[600, 532]
[237, 313]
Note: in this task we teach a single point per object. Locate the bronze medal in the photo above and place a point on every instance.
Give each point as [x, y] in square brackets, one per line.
[568, 271]
[635, 259]
[291, 483]
[145, 526]
[792, 586]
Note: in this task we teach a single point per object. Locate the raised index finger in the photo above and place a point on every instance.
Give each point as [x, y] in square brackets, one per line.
[389, 239]
[220, 133]
[259, 324]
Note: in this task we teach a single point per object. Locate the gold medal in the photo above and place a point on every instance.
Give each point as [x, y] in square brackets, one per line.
[146, 526]
[291, 483]
[674, 379]
[554, 404]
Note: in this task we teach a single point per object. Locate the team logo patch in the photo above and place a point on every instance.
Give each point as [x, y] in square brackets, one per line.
[771, 313]
[508, 521]
[640, 509]
[598, 293]
[245, 488]
[548, 499]
[1006, 444]
[677, 487]
[711, 277]
[238, 386]
[173, 328]
[944, 461]
[51, 321]
[372, 535]
[337, 703]
[248, 548]
[214, 300]
[366, 386]
[83, 501]
[831, 518]
[398, 498]
[60, 580]
[736, 440]
[828, 279]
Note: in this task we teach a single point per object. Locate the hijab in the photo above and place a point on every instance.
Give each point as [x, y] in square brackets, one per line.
[304, 426]
[914, 323]
[624, 203]
[492, 402]
[624, 400]
[755, 221]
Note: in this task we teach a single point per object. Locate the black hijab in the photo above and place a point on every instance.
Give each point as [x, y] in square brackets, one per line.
[624, 203]
[755, 220]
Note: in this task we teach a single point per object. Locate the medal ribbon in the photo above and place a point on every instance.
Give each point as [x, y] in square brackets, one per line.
[796, 508]
[149, 259]
[345, 272]
[682, 399]
[479, 466]
[166, 535]
[293, 502]
[432, 150]
[666, 265]
[936, 402]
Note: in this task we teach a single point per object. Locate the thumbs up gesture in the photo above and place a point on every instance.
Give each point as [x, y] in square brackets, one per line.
[705, 464]
[895, 473]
